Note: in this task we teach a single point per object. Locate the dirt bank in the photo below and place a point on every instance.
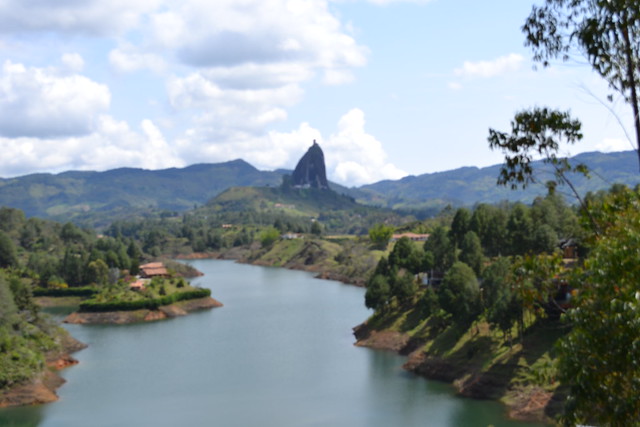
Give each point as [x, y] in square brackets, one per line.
[180, 308]
[42, 389]
[525, 404]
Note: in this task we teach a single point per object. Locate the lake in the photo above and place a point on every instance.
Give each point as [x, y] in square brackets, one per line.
[279, 353]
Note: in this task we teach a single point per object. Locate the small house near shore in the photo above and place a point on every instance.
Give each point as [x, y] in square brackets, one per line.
[153, 269]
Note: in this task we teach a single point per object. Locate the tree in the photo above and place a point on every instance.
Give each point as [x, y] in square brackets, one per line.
[444, 253]
[606, 32]
[378, 293]
[519, 230]
[97, 272]
[8, 253]
[460, 225]
[269, 236]
[539, 131]
[406, 255]
[316, 228]
[500, 301]
[489, 223]
[380, 234]
[459, 293]
[471, 252]
[599, 358]
[544, 239]
[403, 285]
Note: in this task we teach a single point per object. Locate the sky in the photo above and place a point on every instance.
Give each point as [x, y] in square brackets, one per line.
[388, 88]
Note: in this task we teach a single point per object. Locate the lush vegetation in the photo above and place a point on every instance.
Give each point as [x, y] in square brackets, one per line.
[241, 216]
[44, 258]
[97, 199]
[156, 293]
[25, 335]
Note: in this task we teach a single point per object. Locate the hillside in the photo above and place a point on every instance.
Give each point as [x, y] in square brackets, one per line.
[90, 196]
[264, 205]
[98, 198]
[468, 185]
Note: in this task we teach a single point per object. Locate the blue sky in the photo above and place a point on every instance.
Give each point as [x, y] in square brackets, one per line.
[387, 87]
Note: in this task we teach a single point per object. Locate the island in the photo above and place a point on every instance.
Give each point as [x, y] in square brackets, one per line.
[154, 294]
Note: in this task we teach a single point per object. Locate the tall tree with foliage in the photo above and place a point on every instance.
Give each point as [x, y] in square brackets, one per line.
[460, 225]
[600, 357]
[459, 293]
[471, 252]
[380, 235]
[8, 252]
[378, 293]
[538, 132]
[444, 252]
[606, 32]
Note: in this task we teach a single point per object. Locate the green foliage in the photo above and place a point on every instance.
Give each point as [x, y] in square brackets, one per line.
[380, 235]
[490, 224]
[599, 358]
[441, 248]
[403, 286]
[533, 133]
[459, 293]
[519, 231]
[460, 226]
[97, 272]
[405, 254]
[8, 253]
[94, 305]
[606, 32]
[316, 228]
[82, 291]
[269, 236]
[24, 335]
[428, 303]
[471, 252]
[378, 293]
[502, 304]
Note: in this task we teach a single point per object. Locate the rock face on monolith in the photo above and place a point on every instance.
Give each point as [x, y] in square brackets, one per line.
[310, 171]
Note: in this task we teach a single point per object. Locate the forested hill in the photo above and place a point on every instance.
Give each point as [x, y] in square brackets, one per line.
[89, 196]
[469, 185]
[98, 198]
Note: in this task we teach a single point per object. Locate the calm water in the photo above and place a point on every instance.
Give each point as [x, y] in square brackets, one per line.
[279, 353]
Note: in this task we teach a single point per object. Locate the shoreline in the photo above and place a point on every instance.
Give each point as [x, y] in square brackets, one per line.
[530, 405]
[42, 388]
[180, 308]
[239, 255]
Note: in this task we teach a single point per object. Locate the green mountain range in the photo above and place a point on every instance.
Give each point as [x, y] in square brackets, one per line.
[97, 198]
[88, 197]
[469, 185]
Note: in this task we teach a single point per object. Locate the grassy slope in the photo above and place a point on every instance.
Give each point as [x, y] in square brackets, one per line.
[349, 261]
[480, 362]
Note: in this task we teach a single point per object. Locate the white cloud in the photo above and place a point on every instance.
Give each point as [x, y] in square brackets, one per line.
[94, 17]
[355, 157]
[113, 144]
[352, 156]
[493, 68]
[454, 86]
[234, 69]
[614, 144]
[229, 111]
[37, 102]
[337, 77]
[127, 58]
[73, 62]
[227, 33]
